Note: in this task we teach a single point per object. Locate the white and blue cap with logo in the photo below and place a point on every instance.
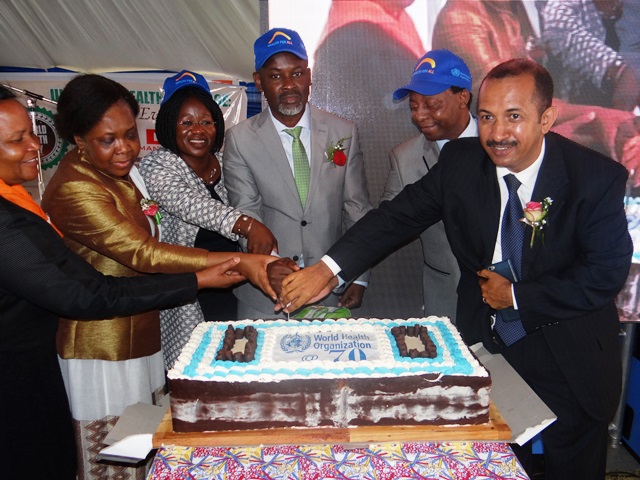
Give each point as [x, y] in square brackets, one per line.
[185, 78]
[275, 41]
[434, 73]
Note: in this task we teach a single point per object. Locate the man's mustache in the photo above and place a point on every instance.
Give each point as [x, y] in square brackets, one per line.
[289, 93]
[494, 143]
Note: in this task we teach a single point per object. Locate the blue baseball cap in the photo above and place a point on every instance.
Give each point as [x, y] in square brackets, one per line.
[275, 41]
[183, 79]
[434, 73]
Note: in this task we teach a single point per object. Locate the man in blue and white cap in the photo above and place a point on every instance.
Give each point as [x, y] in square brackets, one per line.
[439, 99]
[296, 168]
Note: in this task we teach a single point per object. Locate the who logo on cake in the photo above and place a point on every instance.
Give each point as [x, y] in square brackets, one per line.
[326, 346]
[295, 343]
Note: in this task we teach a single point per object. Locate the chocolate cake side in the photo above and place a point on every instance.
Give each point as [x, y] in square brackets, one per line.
[336, 402]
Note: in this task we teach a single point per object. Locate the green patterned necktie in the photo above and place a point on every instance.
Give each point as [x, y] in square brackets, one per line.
[301, 169]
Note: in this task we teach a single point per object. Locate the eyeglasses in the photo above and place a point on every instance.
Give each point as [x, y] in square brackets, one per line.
[191, 123]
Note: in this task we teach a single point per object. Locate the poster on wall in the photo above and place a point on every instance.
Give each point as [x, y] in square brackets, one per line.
[361, 51]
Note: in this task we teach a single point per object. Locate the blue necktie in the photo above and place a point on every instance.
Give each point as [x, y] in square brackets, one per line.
[512, 238]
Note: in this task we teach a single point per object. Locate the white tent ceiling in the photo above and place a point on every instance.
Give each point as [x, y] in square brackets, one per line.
[212, 37]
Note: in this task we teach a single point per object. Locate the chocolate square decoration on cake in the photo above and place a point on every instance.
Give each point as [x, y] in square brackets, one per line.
[334, 373]
[238, 344]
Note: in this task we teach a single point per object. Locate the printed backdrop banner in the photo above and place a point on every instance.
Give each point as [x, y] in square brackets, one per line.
[146, 87]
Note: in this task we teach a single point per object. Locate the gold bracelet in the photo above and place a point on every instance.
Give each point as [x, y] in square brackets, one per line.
[243, 218]
[249, 228]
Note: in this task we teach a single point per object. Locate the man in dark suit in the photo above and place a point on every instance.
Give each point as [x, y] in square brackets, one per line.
[564, 340]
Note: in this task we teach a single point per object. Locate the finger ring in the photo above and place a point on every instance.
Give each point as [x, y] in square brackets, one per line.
[484, 300]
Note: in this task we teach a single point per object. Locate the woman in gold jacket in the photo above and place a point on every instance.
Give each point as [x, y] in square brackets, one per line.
[97, 199]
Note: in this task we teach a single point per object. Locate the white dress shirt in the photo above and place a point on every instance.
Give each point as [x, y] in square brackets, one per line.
[287, 140]
[470, 131]
[527, 178]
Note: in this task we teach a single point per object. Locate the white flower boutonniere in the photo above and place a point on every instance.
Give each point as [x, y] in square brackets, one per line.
[535, 215]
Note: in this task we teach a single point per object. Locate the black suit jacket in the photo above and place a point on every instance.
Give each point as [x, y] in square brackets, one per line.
[41, 279]
[569, 281]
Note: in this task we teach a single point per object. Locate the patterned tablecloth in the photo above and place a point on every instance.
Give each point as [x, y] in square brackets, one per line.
[389, 461]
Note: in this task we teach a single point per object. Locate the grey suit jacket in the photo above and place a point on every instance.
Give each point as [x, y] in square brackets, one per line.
[260, 183]
[440, 274]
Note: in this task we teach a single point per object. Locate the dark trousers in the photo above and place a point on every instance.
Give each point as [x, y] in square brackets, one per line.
[575, 445]
[36, 434]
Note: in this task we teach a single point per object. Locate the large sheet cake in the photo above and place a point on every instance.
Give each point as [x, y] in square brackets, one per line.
[264, 374]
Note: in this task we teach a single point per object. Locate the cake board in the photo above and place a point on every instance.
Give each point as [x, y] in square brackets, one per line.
[496, 429]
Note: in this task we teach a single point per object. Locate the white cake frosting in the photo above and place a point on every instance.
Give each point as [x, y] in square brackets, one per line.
[344, 348]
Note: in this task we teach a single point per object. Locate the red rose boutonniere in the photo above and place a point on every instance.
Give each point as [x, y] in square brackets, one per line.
[335, 154]
[151, 209]
[535, 215]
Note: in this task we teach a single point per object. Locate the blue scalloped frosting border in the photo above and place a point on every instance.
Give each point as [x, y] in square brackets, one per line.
[460, 365]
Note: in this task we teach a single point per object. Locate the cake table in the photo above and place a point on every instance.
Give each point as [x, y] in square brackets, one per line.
[381, 453]
[387, 461]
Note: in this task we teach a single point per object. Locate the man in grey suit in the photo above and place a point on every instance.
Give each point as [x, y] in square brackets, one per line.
[296, 168]
[439, 100]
